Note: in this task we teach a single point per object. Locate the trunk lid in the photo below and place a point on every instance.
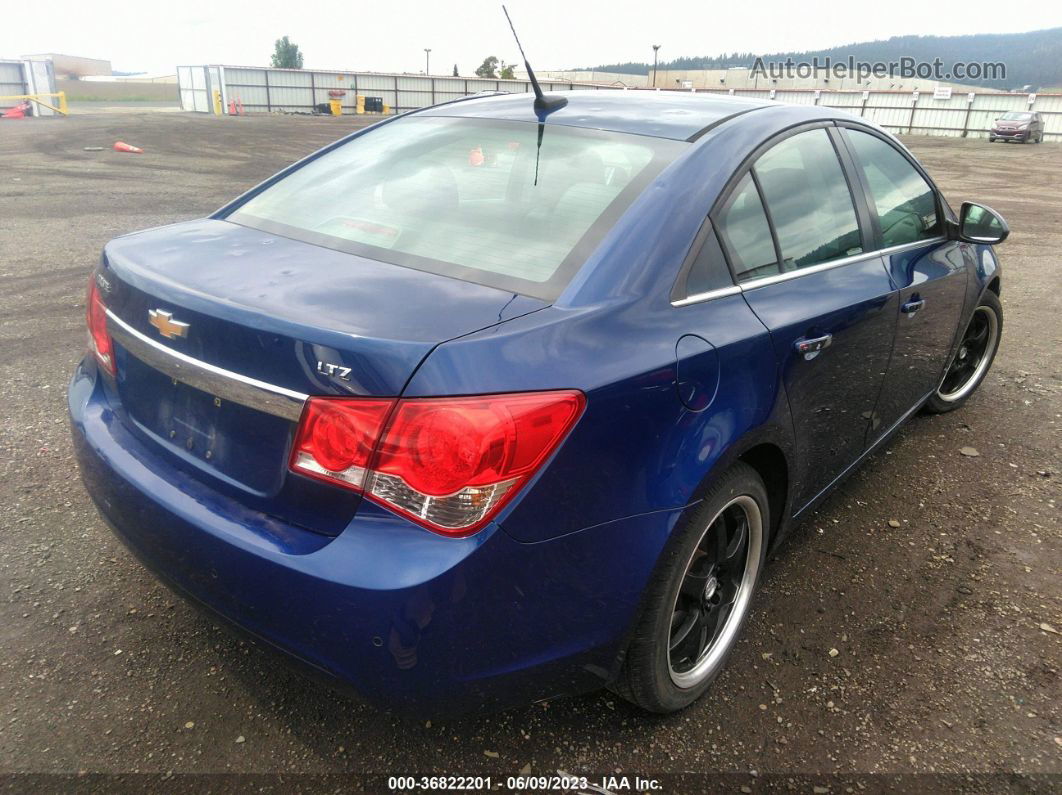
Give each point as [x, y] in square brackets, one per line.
[304, 319]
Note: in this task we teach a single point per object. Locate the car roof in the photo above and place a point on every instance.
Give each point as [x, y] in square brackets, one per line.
[679, 116]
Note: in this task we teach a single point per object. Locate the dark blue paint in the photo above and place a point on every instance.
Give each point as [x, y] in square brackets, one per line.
[262, 295]
[696, 372]
[540, 602]
[833, 394]
[937, 275]
[325, 600]
[637, 448]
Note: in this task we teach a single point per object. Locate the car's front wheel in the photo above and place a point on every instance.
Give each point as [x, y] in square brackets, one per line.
[972, 359]
[700, 596]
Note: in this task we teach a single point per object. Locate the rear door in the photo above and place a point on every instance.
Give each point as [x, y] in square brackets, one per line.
[797, 243]
[927, 269]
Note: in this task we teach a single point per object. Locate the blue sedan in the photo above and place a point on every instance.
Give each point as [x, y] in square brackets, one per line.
[497, 401]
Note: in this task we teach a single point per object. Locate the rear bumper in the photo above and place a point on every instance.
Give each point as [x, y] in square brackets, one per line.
[410, 619]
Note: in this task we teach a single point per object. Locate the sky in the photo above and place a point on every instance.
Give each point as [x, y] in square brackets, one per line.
[157, 35]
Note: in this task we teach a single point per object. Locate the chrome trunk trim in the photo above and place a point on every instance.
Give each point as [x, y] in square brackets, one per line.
[216, 381]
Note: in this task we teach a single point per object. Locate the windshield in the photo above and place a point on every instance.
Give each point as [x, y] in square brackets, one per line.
[513, 205]
[1015, 116]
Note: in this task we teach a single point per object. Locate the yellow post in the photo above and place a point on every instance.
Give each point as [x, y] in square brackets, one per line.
[336, 106]
[217, 102]
[360, 107]
[387, 108]
[62, 103]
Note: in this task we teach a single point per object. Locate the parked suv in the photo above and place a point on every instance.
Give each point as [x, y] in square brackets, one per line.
[1018, 126]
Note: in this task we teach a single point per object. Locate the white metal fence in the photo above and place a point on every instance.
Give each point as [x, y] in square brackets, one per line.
[196, 85]
[267, 90]
[12, 80]
[963, 115]
[26, 77]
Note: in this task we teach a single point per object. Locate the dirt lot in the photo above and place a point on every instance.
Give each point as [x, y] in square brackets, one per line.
[943, 667]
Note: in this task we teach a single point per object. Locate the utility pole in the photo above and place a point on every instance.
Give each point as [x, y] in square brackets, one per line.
[656, 51]
[427, 60]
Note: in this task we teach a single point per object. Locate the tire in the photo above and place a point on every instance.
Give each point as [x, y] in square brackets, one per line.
[653, 676]
[991, 140]
[955, 389]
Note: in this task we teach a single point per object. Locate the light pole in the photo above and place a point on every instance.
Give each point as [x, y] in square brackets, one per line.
[656, 51]
[427, 60]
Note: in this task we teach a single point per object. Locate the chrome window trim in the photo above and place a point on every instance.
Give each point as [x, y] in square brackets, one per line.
[765, 281]
[216, 381]
[698, 298]
[914, 244]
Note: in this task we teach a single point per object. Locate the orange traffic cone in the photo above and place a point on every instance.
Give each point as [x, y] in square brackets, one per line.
[122, 146]
[17, 112]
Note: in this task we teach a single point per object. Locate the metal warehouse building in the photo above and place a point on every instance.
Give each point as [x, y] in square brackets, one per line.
[73, 65]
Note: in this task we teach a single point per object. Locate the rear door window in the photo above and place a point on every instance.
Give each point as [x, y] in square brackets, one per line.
[507, 204]
[905, 203]
[744, 228]
[809, 201]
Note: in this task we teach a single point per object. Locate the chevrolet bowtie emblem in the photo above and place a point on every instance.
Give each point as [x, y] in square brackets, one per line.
[167, 326]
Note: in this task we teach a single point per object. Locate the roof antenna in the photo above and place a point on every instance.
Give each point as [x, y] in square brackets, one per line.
[541, 101]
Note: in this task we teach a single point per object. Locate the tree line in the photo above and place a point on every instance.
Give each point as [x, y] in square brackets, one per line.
[1032, 59]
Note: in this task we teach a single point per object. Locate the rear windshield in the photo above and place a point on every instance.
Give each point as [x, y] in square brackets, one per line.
[508, 204]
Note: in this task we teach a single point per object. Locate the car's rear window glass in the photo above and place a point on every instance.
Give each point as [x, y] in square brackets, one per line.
[743, 224]
[708, 271]
[512, 205]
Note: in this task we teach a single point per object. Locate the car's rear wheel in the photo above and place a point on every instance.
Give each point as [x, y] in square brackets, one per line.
[974, 356]
[699, 599]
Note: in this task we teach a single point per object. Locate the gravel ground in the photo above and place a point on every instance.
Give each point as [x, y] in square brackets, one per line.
[934, 575]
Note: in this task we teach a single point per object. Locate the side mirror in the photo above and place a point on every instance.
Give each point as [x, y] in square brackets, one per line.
[981, 224]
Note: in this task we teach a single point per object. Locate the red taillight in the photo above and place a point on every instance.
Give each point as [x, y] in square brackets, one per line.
[336, 438]
[98, 339]
[448, 463]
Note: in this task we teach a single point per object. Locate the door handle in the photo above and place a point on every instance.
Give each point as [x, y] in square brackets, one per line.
[811, 348]
[913, 306]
